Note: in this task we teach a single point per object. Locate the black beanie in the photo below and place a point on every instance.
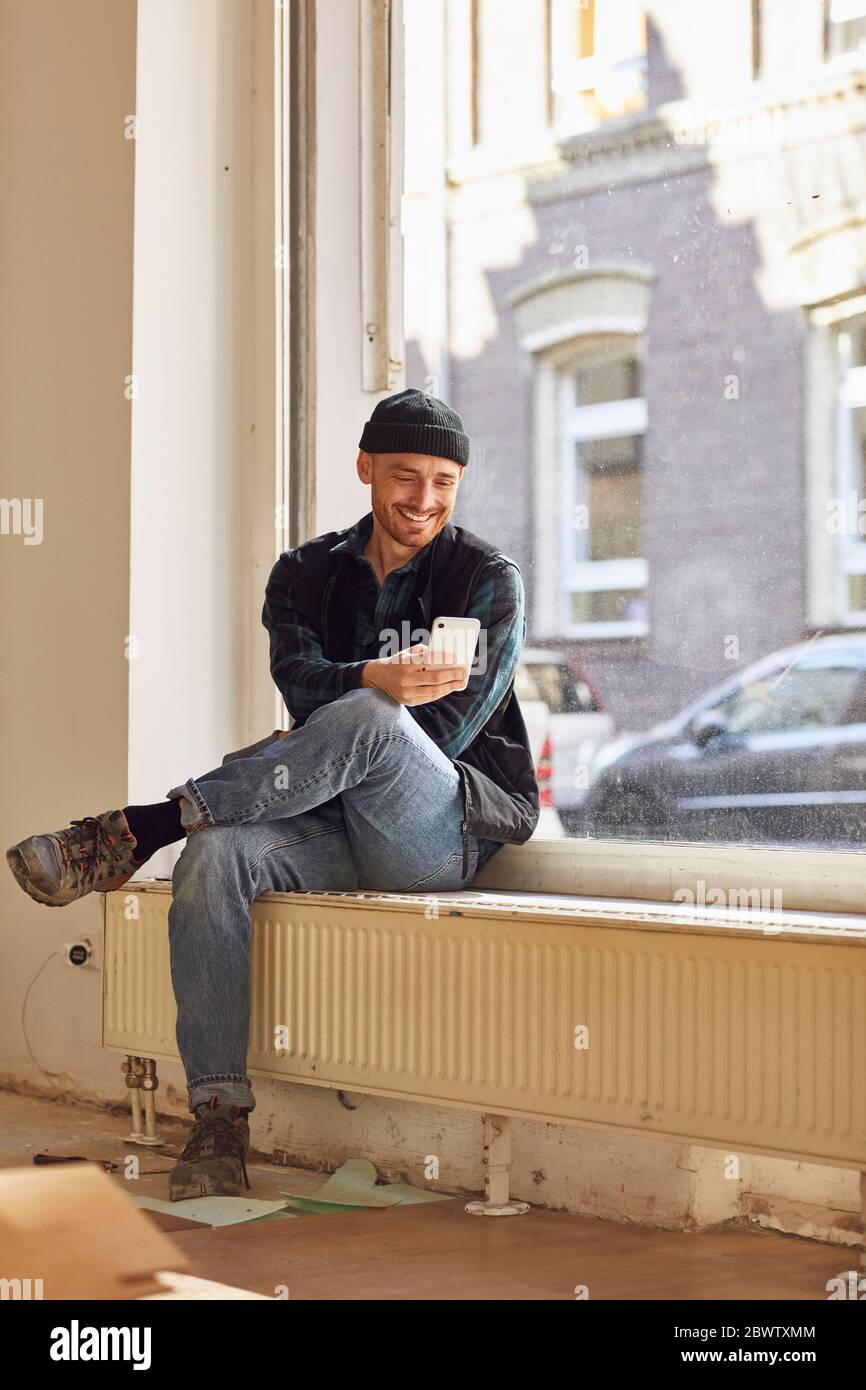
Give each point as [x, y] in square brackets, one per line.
[414, 423]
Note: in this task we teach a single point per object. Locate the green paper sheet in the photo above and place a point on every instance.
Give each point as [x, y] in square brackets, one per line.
[214, 1211]
[353, 1187]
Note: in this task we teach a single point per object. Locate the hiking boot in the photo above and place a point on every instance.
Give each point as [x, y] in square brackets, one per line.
[212, 1162]
[93, 855]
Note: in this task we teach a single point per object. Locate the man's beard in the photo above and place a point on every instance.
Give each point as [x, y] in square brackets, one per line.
[401, 531]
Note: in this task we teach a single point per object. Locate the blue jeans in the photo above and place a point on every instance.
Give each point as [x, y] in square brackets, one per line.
[358, 797]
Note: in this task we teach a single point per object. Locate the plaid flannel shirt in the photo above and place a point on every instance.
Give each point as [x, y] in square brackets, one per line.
[306, 679]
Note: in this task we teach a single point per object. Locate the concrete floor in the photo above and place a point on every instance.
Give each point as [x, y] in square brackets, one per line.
[434, 1251]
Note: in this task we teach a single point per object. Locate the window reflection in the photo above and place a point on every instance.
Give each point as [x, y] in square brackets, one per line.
[635, 261]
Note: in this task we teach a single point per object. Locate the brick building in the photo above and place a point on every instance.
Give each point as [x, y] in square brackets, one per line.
[636, 264]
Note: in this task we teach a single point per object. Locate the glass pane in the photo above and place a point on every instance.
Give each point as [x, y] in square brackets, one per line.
[526, 685]
[857, 593]
[684, 563]
[554, 685]
[611, 487]
[598, 60]
[857, 332]
[848, 36]
[859, 424]
[581, 28]
[606, 381]
[614, 606]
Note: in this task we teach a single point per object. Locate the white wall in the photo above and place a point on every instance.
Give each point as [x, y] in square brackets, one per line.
[67, 84]
[152, 543]
[190, 363]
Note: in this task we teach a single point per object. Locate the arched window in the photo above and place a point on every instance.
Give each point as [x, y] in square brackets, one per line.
[586, 332]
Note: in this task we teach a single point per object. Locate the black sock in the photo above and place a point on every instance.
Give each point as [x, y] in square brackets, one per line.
[154, 826]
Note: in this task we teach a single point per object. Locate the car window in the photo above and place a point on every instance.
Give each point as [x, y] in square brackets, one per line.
[554, 684]
[525, 685]
[804, 697]
[549, 681]
[580, 697]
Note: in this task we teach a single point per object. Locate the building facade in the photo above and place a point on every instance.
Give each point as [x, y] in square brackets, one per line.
[636, 264]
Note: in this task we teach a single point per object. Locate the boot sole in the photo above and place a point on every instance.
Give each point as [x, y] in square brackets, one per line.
[206, 1178]
[18, 867]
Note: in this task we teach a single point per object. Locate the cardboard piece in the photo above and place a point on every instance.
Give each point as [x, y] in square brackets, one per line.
[189, 1286]
[73, 1228]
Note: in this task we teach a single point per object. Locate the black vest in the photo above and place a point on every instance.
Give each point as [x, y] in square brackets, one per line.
[496, 768]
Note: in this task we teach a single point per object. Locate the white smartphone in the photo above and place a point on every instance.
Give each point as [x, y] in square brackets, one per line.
[456, 635]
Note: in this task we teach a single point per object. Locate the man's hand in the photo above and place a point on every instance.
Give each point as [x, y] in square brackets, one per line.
[416, 676]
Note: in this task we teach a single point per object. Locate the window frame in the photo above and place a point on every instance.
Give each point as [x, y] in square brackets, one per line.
[851, 396]
[622, 418]
[810, 879]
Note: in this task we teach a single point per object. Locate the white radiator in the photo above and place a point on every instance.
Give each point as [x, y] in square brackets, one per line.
[696, 1031]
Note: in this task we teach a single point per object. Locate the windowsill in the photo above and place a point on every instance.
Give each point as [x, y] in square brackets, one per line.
[724, 885]
[583, 648]
[543, 635]
[606, 632]
[483, 899]
[746, 878]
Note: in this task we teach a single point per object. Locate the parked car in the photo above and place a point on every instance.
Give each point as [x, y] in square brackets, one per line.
[576, 724]
[536, 717]
[775, 754]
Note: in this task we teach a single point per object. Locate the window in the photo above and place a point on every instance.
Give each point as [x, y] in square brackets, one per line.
[500, 110]
[658, 346]
[845, 27]
[848, 519]
[602, 420]
[597, 62]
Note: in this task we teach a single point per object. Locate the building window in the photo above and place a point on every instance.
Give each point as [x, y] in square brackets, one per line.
[602, 421]
[597, 62]
[850, 523]
[844, 27]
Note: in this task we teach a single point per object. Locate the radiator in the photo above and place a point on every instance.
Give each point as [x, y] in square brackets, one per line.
[583, 1012]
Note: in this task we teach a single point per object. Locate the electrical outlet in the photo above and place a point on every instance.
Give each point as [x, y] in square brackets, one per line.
[80, 953]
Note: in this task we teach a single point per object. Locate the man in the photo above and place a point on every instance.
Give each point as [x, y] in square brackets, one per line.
[400, 772]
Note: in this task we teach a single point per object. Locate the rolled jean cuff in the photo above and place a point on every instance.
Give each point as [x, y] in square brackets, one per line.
[194, 814]
[229, 1090]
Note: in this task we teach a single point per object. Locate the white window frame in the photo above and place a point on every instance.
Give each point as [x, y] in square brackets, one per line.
[826, 881]
[851, 397]
[580, 424]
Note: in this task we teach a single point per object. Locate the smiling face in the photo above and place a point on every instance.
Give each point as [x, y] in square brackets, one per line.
[413, 494]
